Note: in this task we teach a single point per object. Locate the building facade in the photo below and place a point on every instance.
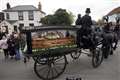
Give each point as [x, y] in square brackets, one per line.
[115, 13]
[21, 16]
[1, 17]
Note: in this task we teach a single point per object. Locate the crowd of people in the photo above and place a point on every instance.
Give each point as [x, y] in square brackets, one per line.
[10, 45]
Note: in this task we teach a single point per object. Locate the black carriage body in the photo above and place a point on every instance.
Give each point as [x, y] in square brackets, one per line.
[47, 52]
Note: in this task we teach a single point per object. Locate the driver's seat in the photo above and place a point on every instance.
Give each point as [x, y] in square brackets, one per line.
[84, 38]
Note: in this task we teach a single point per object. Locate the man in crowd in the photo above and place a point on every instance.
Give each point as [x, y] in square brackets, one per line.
[78, 21]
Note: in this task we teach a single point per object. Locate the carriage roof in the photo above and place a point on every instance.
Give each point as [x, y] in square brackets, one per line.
[46, 28]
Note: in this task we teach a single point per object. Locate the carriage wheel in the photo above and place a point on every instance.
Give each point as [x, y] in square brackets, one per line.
[34, 58]
[76, 54]
[107, 50]
[111, 50]
[39, 60]
[51, 68]
[97, 57]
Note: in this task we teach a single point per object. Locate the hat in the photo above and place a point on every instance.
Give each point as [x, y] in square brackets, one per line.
[79, 15]
[88, 10]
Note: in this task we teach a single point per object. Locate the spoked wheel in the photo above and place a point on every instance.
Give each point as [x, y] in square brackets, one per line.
[107, 50]
[111, 50]
[34, 58]
[50, 68]
[97, 57]
[76, 54]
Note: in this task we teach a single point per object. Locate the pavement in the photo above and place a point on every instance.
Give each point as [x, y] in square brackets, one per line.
[81, 68]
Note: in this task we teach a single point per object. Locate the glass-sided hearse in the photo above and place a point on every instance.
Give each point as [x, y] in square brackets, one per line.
[49, 46]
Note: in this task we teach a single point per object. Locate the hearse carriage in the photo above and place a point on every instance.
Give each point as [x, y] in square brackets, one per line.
[49, 46]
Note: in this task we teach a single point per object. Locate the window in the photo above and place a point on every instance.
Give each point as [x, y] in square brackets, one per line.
[5, 29]
[7, 16]
[20, 15]
[20, 26]
[15, 28]
[1, 16]
[31, 15]
[31, 24]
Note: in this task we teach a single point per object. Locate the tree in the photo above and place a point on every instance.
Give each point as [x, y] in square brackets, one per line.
[60, 17]
[47, 20]
[100, 22]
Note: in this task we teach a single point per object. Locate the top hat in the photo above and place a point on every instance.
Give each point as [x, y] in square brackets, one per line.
[88, 10]
[79, 15]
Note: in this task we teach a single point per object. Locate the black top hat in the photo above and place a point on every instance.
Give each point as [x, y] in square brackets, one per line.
[88, 10]
[79, 15]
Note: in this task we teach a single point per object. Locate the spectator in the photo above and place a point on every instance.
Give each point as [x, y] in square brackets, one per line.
[78, 21]
[17, 46]
[4, 46]
[11, 46]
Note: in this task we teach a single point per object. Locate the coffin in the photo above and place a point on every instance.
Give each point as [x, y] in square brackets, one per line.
[47, 43]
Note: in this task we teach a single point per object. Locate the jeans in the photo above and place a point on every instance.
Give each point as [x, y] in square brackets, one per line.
[17, 56]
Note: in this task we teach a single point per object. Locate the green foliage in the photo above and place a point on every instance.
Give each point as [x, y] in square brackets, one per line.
[60, 17]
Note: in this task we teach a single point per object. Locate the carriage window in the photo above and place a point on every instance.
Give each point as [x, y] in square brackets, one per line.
[50, 39]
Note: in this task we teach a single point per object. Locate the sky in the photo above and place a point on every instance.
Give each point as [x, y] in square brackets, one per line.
[98, 8]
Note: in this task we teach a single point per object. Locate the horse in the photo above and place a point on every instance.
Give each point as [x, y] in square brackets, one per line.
[110, 40]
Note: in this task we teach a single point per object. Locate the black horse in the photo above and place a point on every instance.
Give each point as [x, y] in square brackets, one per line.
[110, 40]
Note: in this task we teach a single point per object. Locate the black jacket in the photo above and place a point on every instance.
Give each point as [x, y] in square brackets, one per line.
[116, 29]
[78, 21]
[86, 21]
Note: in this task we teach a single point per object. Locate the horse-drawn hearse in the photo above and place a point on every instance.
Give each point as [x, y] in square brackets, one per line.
[49, 46]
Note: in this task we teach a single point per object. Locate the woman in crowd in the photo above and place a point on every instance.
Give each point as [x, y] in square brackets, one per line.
[4, 46]
[17, 46]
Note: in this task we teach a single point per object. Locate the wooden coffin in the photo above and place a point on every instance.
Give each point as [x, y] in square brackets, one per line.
[47, 43]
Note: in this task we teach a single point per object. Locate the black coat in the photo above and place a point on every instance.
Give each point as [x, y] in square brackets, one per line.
[86, 29]
[11, 46]
[106, 28]
[116, 29]
[86, 21]
[78, 21]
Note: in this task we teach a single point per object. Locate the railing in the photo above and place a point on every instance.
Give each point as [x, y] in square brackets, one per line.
[46, 28]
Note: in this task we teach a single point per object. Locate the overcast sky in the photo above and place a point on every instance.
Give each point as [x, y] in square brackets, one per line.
[99, 8]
